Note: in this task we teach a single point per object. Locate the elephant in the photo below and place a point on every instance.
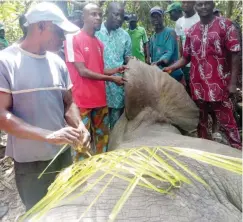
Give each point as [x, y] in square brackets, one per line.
[221, 201]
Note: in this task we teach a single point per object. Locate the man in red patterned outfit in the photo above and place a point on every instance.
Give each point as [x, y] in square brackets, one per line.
[213, 48]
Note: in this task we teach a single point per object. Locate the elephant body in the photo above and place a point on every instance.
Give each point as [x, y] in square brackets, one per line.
[153, 108]
[220, 202]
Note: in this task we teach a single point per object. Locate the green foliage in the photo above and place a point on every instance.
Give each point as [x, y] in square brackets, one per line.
[142, 8]
[9, 15]
[235, 14]
[10, 11]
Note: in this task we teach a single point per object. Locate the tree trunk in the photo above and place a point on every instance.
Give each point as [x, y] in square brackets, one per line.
[229, 11]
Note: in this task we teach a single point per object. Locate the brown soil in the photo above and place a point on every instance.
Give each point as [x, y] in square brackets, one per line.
[8, 192]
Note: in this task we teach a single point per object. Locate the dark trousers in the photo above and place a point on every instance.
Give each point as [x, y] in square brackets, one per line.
[223, 112]
[30, 188]
[114, 115]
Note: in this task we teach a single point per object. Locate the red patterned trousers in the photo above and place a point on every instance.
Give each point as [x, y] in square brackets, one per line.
[223, 111]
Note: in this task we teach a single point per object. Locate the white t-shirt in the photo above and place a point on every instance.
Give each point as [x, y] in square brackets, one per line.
[183, 25]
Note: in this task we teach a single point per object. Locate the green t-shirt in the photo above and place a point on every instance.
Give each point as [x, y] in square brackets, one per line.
[139, 38]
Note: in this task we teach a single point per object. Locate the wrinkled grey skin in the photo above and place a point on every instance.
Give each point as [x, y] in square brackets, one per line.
[220, 202]
[153, 101]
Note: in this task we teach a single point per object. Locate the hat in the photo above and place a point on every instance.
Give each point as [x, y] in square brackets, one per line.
[156, 9]
[216, 10]
[133, 18]
[174, 6]
[47, 11]
[126, 16]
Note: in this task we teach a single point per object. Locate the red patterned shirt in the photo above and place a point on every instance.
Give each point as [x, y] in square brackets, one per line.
[208, 48]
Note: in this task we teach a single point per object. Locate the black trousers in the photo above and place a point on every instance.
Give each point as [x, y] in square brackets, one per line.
[30, 188]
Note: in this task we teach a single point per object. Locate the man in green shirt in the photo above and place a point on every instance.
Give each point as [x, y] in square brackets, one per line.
[140, 42]
[3, 41]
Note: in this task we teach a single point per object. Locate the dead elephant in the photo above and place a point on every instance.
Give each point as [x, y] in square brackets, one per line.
[156, 106]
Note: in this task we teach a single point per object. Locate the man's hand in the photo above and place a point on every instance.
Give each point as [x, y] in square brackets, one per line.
[118, 80]
[167, 69]
[154, 64]
[66, 135]
[84, 139]
[110, 72]
[122, 69]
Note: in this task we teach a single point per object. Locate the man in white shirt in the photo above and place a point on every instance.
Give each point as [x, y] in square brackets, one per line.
[183, 24]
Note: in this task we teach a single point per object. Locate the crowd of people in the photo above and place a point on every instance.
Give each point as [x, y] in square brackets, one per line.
[57, 89]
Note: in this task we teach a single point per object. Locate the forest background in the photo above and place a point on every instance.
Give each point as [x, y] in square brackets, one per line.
[11, 10]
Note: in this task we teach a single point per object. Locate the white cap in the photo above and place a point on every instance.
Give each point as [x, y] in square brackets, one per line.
[47, 11]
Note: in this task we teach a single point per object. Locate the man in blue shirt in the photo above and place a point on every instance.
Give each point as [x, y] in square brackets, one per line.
[163, 44]
[118, 48]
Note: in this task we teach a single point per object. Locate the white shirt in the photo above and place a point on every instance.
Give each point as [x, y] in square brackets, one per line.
[183, 25]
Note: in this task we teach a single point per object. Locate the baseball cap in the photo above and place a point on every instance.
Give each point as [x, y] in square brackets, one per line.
[174, 6]
[47, 11]
[126, 16]
[132, 18]
[156, 9]
[216, 10]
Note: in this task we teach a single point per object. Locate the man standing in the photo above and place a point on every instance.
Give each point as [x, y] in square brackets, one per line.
[3, 41]
[84, 59]
[117, 43]
[183, 24]
[140, 42]
[212, 46]
[163, 44]
[36, 103]
[175, 11]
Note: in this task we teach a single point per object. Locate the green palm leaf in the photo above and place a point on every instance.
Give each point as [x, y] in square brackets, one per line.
[141, 166]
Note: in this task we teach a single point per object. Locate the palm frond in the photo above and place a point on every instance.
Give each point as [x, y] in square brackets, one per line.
[60, 151]
[140, 166]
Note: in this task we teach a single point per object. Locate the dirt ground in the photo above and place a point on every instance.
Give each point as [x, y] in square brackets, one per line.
[9, 196]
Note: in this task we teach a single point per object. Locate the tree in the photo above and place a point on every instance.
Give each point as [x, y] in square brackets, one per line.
[142, 8]
[230, 9]
[9, 15]
[10, 11]
[63, 5]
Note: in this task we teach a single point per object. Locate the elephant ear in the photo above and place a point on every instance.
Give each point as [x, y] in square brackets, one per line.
[148, 86]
